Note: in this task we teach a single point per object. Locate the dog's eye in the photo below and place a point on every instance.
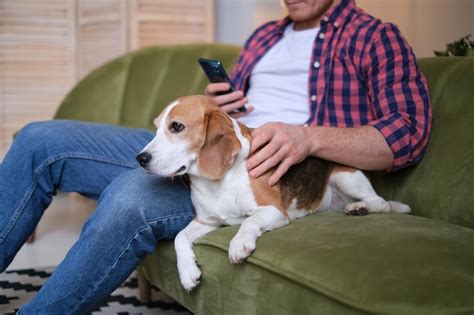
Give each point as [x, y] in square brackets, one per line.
[176, 127]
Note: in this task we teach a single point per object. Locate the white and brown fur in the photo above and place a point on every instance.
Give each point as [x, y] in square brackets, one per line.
[212, 149]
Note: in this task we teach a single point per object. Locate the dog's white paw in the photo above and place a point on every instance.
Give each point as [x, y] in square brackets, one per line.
[189, 275]
[240, 248]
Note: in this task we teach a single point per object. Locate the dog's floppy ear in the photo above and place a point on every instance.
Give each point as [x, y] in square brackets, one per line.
[220, 146]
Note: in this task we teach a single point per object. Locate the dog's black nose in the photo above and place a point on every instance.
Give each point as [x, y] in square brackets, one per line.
[144, 158]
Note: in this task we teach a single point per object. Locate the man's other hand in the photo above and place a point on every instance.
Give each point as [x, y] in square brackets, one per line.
[281, 145]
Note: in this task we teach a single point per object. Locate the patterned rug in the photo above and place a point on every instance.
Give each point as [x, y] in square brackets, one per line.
[19, 286]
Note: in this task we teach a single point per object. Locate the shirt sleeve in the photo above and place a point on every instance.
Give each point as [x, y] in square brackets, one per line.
[400, 97]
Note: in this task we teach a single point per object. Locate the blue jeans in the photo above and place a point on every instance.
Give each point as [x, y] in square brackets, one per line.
[134, 210]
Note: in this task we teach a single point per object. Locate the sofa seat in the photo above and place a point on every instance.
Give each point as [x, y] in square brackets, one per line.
[335, 269]
[327, 263]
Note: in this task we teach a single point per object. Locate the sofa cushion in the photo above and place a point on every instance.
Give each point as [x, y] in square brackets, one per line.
[385, 263]
[133, 89]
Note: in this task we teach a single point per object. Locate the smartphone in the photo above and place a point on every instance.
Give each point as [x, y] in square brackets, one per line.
[216, 74]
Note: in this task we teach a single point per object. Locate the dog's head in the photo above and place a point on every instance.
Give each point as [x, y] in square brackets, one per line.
[193, 136]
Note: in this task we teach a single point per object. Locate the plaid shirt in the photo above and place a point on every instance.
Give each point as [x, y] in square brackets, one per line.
[362, 72]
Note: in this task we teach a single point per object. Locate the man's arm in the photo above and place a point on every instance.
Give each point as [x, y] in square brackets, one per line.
[364, 148]
[399, 95]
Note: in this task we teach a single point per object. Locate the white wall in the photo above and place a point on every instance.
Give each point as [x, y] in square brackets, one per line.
[427, 24]
[235, 20]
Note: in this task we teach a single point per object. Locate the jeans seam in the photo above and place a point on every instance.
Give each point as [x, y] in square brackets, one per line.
[17, 213]
[83, 156]
[96, 286]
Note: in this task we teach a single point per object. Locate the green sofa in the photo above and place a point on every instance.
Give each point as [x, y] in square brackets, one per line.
[326, 263]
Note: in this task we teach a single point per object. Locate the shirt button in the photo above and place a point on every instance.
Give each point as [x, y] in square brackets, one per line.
[313, 98]
[322, 36]
[316, 64]
[326, 18]
[336, 24]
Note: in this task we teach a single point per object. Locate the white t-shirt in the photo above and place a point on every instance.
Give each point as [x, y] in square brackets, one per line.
[279, 82]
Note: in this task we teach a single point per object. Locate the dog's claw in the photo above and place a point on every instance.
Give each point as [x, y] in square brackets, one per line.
[358, 212]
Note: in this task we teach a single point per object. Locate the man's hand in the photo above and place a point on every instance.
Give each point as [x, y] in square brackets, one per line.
[230, 102]
[282, 146]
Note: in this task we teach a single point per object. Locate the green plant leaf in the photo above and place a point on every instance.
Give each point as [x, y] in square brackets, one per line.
[461, 47]
[439, 53]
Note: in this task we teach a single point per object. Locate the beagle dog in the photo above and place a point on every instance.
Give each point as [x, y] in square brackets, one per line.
[194, 137]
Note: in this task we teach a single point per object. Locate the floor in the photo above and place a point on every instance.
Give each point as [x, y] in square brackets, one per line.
[57, 231]
[19, 286]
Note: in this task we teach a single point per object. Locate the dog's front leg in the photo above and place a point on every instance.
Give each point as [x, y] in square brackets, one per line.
[189, 272]
[244, 242]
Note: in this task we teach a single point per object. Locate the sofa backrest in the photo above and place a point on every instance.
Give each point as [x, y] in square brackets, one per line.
[442, 185]
[132, 90]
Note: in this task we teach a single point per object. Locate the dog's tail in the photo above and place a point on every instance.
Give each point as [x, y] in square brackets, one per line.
[399, 207]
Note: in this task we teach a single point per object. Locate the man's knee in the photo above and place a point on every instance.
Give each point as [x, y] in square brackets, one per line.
[43, 130]
[137, 200]
[39, 138]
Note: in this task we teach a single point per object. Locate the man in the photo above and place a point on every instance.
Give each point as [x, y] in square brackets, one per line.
[365, 104]
[362, 74]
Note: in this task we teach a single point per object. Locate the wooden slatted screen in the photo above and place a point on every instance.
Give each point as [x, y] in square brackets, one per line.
[46, 46]
[171, 21]
[36, 68]
[102, 32]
